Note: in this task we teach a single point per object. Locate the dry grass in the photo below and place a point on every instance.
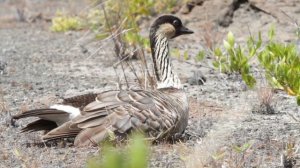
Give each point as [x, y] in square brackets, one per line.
[265, 96]
[140, 71]
[210, 35]
[288, 158]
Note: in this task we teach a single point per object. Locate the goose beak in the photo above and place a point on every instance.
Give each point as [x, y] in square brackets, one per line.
[184, 30]
[181, 31]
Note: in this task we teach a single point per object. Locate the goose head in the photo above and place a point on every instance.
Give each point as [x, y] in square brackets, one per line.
[168, 26]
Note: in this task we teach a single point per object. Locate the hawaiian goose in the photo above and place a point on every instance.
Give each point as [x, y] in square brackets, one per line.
[160, 113]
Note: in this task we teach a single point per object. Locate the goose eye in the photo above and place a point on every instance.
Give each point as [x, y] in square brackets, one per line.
[176, 23]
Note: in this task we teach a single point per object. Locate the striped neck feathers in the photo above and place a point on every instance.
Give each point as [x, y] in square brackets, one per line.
[164, 73]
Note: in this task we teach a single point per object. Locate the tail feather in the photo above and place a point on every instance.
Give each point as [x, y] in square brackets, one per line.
[50, 119]
[40, 113]
[57, 116]
[39, 125]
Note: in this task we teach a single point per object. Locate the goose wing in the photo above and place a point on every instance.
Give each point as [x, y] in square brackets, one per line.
[120, 112]
[80, 101]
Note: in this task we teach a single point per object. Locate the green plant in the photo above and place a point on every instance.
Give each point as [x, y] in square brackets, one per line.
[131, 13]
[180, 56]
[281, 63]
[62, 23]
[235, 60]
[243, 148]
[200, 56]
[126, 15]
[134, 155]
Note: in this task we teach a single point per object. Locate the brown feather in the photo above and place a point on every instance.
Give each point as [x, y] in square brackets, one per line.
[40, 113]
[39, 125]
[81, 100]
[63, 131]
[90, 136]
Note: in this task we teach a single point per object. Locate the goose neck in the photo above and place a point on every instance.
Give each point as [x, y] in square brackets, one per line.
[164, 73]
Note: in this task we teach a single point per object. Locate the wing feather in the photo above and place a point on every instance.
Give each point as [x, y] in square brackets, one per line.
[120, 112]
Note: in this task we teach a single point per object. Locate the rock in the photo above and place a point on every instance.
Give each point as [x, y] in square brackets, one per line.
[3, 66]
[197, 79]
[225, 19]
[188, 7]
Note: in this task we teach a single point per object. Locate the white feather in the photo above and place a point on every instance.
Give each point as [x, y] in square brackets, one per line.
[73, 111]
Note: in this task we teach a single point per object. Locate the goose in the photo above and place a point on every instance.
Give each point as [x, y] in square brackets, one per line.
[160, 113]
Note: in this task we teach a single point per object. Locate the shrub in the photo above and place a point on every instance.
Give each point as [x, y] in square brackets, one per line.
[62, 23]
[280, 61]
[235, 60]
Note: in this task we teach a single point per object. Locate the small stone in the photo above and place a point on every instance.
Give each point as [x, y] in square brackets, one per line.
[197, 79]
[3, 66]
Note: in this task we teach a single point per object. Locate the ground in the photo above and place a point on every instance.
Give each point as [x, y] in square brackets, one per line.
[37, 67]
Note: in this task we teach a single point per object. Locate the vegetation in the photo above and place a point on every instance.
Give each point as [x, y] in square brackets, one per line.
[63, 23]
[134, 155]
[234, 156]
[235, 60]
[280, 62]
[120, 15]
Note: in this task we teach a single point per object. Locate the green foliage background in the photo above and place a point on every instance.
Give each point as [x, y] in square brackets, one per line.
[280, 61]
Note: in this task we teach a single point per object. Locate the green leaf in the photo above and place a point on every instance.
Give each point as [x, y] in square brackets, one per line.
[138, 152]
[200, 56]
[259, 42]
[298, 100]
[218, 52]
[271, 33]
[216, 64]
[249, 80]
[230, 38]
[246, 146]
[250, 42]
[185, 55]
[243, 148]
[112, 158]
[252, 52]
[134, 155]
[227, 45]
[237, 149]
[176, 53]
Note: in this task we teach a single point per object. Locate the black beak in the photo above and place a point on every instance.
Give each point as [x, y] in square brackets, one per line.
[184, 30]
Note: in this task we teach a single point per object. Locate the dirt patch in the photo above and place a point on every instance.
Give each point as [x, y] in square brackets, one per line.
[38, 67]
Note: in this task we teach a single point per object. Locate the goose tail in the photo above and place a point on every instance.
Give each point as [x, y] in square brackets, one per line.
[49, 118]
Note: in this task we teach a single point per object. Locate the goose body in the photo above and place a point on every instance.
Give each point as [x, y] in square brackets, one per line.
[160, 113]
